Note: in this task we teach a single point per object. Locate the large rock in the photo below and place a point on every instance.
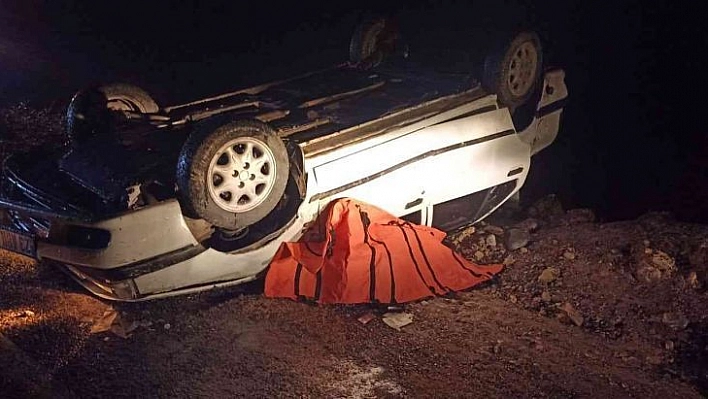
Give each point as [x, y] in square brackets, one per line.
[492, 229]
[479, 255]
[662, 261]
[698, 259]
[569, 254]
[491, 240]
[547, 209]
[693, 281]
[570, 315]
[654, 265]
[529, 224]
[516, 238]
[462, 235]
[549, 275]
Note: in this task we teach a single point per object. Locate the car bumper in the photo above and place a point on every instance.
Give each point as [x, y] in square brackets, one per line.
[128, 290]
[167, 261]
[126, 241]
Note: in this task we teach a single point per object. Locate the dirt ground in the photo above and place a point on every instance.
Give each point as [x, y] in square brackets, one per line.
[584, 309]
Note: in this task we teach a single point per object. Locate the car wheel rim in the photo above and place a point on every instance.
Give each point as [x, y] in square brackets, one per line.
[122, 104]
[370, 41]
[241, 175]
[522, 69]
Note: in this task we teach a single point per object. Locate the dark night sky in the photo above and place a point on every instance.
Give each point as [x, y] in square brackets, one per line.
[631, 140]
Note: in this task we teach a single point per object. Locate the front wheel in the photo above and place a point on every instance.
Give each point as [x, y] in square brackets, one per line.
[90, 112]
[232, 175]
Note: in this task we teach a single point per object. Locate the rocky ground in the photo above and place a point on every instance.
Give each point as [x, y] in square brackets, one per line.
[583, 309]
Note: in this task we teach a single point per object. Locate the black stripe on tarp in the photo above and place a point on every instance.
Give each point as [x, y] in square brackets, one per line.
[307, 246]
[459, 262]
[390, 267]
[298, 272]
[425, 257]
[410, 252]
[318, 285]
[366, 222]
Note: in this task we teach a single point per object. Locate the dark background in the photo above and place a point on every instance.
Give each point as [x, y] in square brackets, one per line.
[632, 138]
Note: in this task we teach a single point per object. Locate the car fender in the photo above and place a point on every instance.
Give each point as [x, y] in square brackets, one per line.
[544, 128]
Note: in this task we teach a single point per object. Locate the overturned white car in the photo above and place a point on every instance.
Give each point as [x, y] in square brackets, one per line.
[151, 201]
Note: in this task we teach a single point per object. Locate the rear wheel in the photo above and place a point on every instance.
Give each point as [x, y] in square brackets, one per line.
[232, 175]
[374, 40]
[91, 111]
[125, 97]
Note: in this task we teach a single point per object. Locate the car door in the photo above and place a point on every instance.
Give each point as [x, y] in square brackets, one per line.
[453, 154]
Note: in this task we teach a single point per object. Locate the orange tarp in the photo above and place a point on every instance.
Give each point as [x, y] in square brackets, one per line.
[357, 253]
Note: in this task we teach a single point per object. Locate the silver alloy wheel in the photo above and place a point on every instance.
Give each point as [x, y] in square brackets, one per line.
[522, 69]
[241, 174]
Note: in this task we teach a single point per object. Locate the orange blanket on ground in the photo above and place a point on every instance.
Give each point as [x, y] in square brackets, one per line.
[357, 253]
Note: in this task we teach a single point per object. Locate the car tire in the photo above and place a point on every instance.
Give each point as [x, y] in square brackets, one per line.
[232, 174]
[89, 112]
[374, 40]
[514, 70]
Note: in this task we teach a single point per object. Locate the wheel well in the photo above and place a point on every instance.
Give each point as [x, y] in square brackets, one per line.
[280, 217]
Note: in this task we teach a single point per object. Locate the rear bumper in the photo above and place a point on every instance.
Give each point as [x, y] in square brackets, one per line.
[134, 237]
[128, 291]
[165, 261]
[175, 274]
[130, 245]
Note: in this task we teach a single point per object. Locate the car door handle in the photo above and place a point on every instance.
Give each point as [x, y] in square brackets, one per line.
[413, 203]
